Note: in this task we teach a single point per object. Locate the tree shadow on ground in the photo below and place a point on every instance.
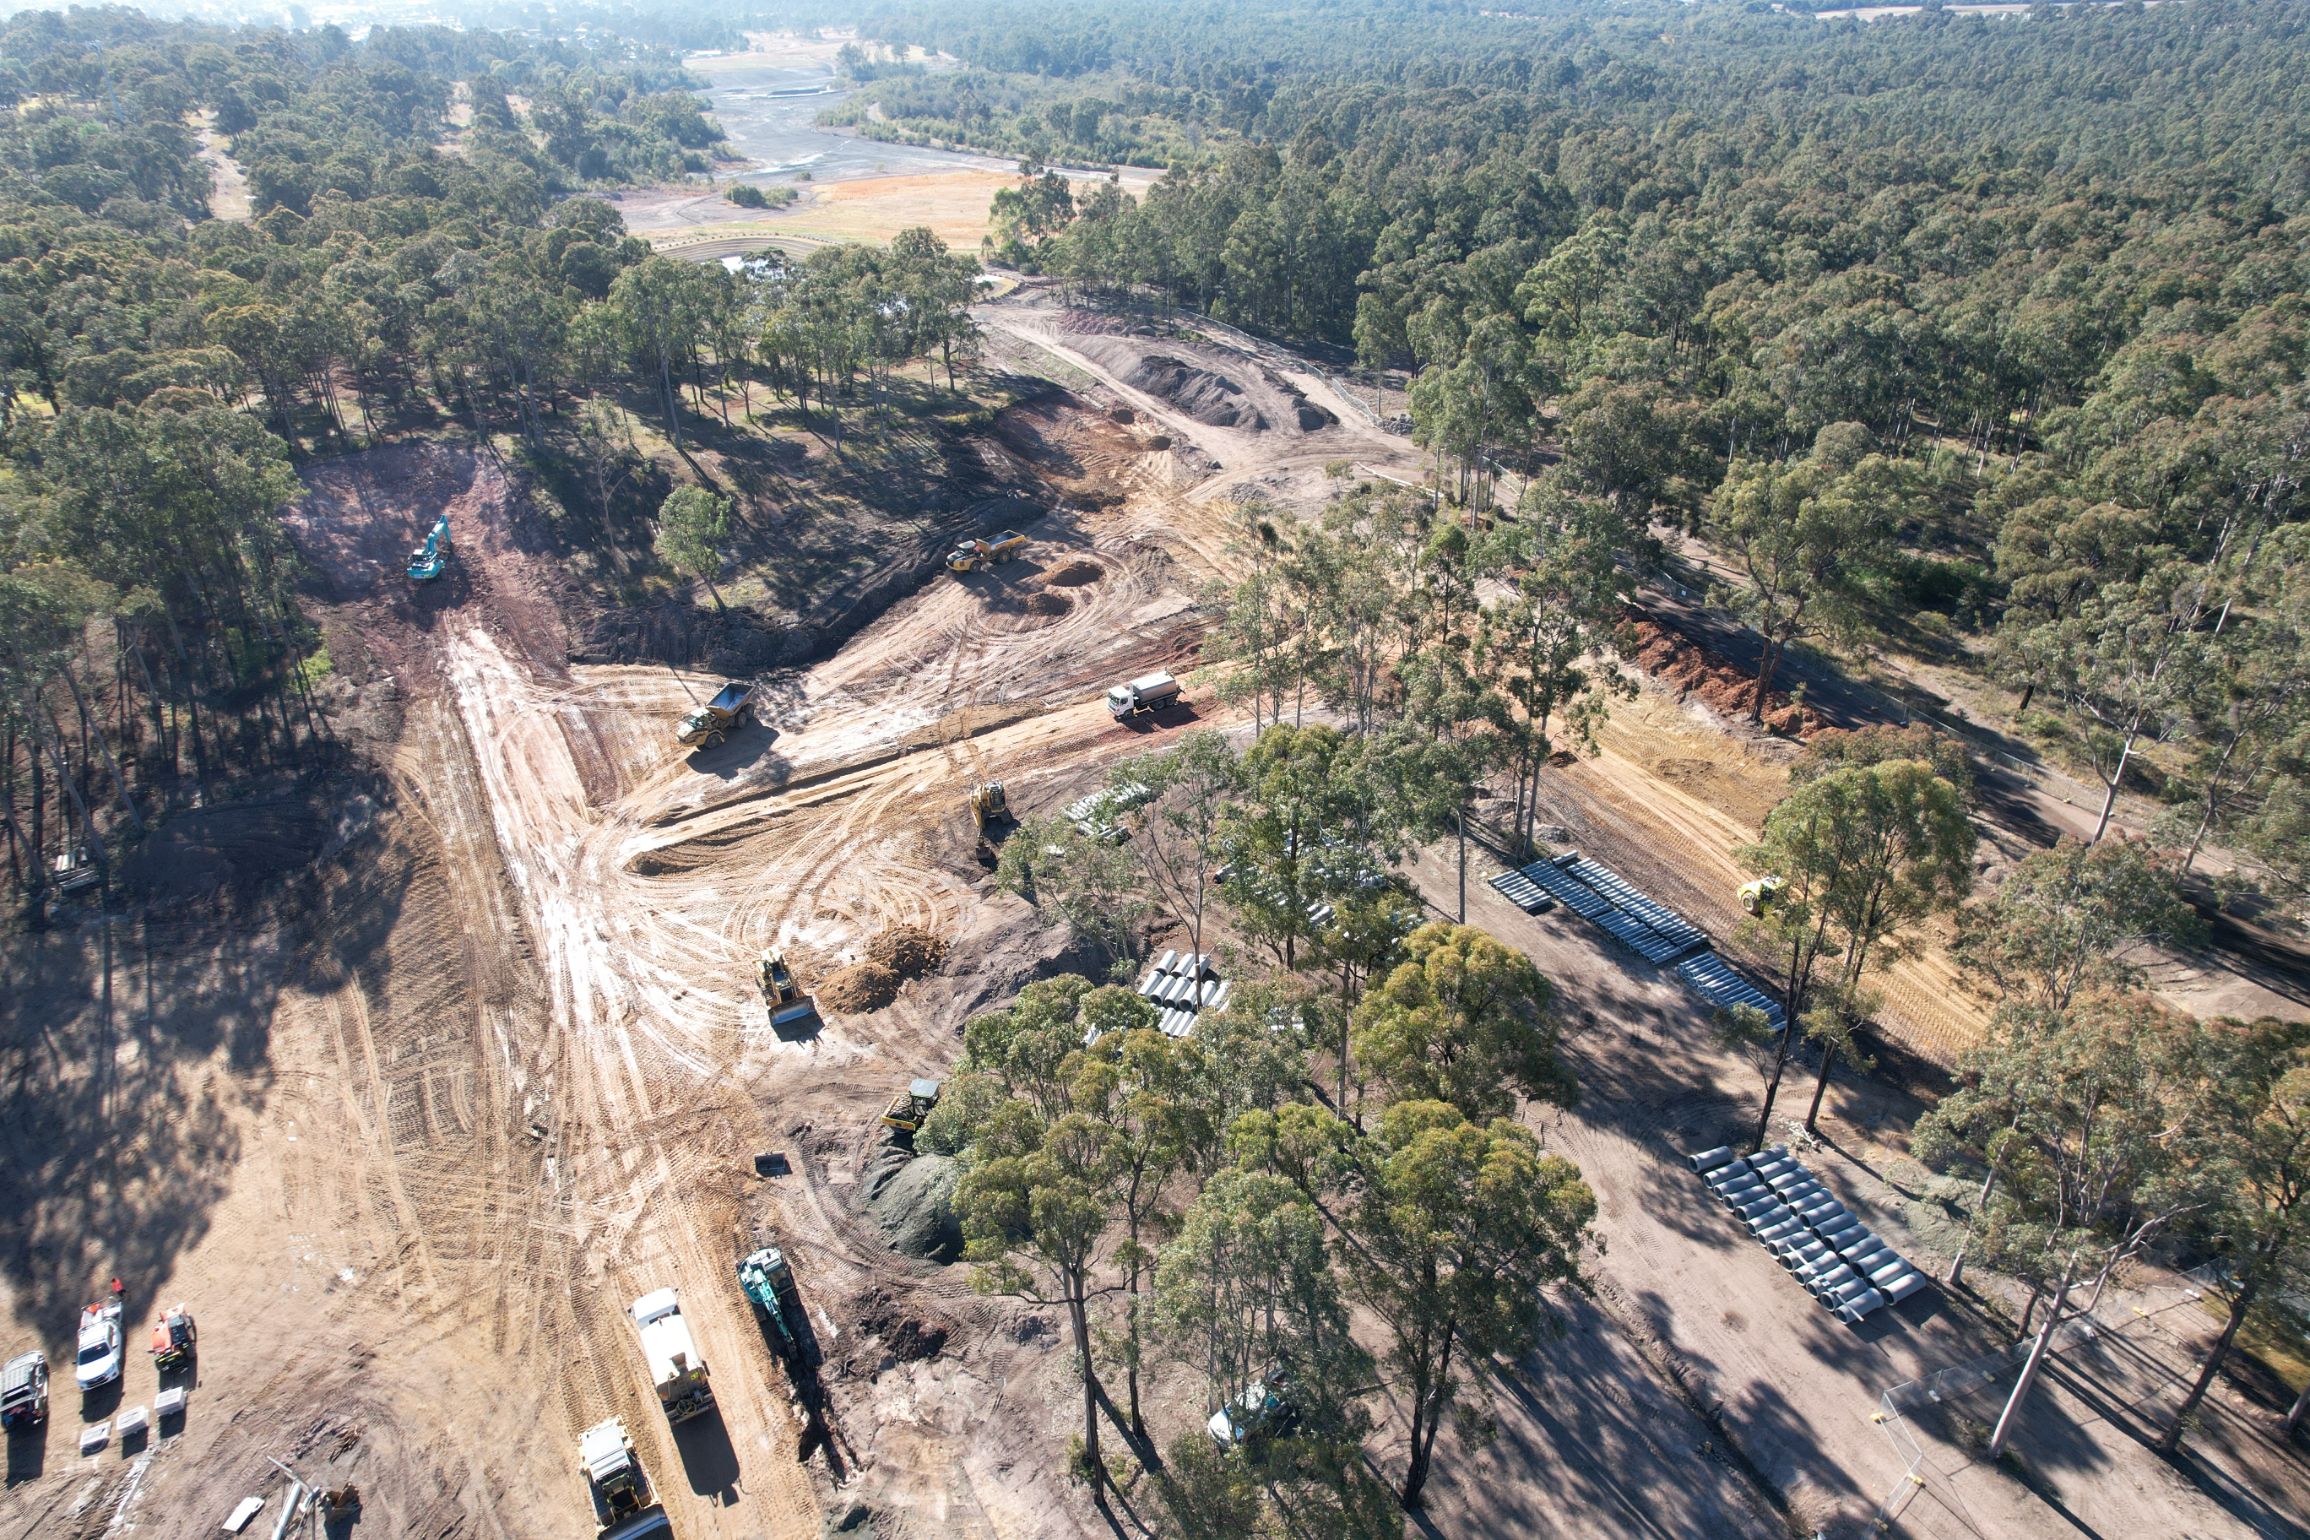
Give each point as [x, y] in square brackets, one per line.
[112, 1147]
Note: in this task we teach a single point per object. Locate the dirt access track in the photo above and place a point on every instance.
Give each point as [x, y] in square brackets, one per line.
[523, 1083]
[410, 1150]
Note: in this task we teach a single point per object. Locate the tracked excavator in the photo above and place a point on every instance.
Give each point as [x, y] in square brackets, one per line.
[431, 558]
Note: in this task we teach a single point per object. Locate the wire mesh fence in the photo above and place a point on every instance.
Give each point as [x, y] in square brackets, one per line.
[1968, 1397]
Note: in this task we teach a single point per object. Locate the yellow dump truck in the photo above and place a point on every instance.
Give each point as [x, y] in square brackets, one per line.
[974, 554]
[910, 1107]
[711, 725]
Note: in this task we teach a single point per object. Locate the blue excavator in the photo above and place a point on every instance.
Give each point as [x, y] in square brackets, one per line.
[431, 559]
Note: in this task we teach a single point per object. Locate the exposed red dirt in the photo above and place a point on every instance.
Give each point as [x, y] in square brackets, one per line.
[1698, 674]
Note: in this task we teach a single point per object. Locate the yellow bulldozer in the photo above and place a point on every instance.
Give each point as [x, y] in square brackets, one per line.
[782, 993]
[989, 804]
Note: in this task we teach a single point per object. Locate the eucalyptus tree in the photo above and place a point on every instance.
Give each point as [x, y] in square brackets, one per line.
[2079, 1110]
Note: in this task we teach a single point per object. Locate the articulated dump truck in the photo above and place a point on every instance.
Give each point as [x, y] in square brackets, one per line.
[974, 554]
[675, 1365]
[711, 725]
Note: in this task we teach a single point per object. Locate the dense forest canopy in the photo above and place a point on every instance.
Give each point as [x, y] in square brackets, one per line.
[412, 257]
[2018, 298]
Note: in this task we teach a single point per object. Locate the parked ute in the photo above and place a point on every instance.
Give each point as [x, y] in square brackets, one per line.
[24, 1391]
[174, 1339]
[1261, 1412]
[97, 1360]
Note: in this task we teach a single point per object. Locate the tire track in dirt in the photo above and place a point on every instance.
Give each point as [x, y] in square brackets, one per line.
[544, 1095]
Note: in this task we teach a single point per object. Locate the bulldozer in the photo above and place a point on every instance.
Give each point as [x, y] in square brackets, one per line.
[989, 805]
[1758, 895]
[782, 993]
[911, 1107]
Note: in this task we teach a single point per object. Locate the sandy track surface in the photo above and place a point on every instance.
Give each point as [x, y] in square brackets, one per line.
[524, 1082]
[616, 1054]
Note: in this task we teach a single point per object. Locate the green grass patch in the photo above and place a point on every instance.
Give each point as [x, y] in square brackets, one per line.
[314, 668]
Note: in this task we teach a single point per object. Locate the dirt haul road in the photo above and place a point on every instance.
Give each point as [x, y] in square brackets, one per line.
[526, 1082]
[633, 884]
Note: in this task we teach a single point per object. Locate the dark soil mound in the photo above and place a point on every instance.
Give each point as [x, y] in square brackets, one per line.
[1202, 395]
[907, 950]
[913, 1203]
[1312, 418]
[864, 986]
[1075, 574]
[1048, 604]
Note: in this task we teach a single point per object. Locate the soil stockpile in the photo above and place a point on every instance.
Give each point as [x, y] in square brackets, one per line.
[912, 1201]
[863, 986]
[1312, 418]
[1202, 395]
[1671, 658]
[1075, 574]
[906, 950]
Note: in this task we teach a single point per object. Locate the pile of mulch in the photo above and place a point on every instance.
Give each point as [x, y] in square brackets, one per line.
[1697, 673]
[912, 1203]
[863, 986]
[1075, 574]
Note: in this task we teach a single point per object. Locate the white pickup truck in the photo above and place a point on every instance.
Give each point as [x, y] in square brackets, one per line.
[96, 1360]
[675, 1365]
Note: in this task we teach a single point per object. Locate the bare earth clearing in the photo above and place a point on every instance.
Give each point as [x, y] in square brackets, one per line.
[409, 1140]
